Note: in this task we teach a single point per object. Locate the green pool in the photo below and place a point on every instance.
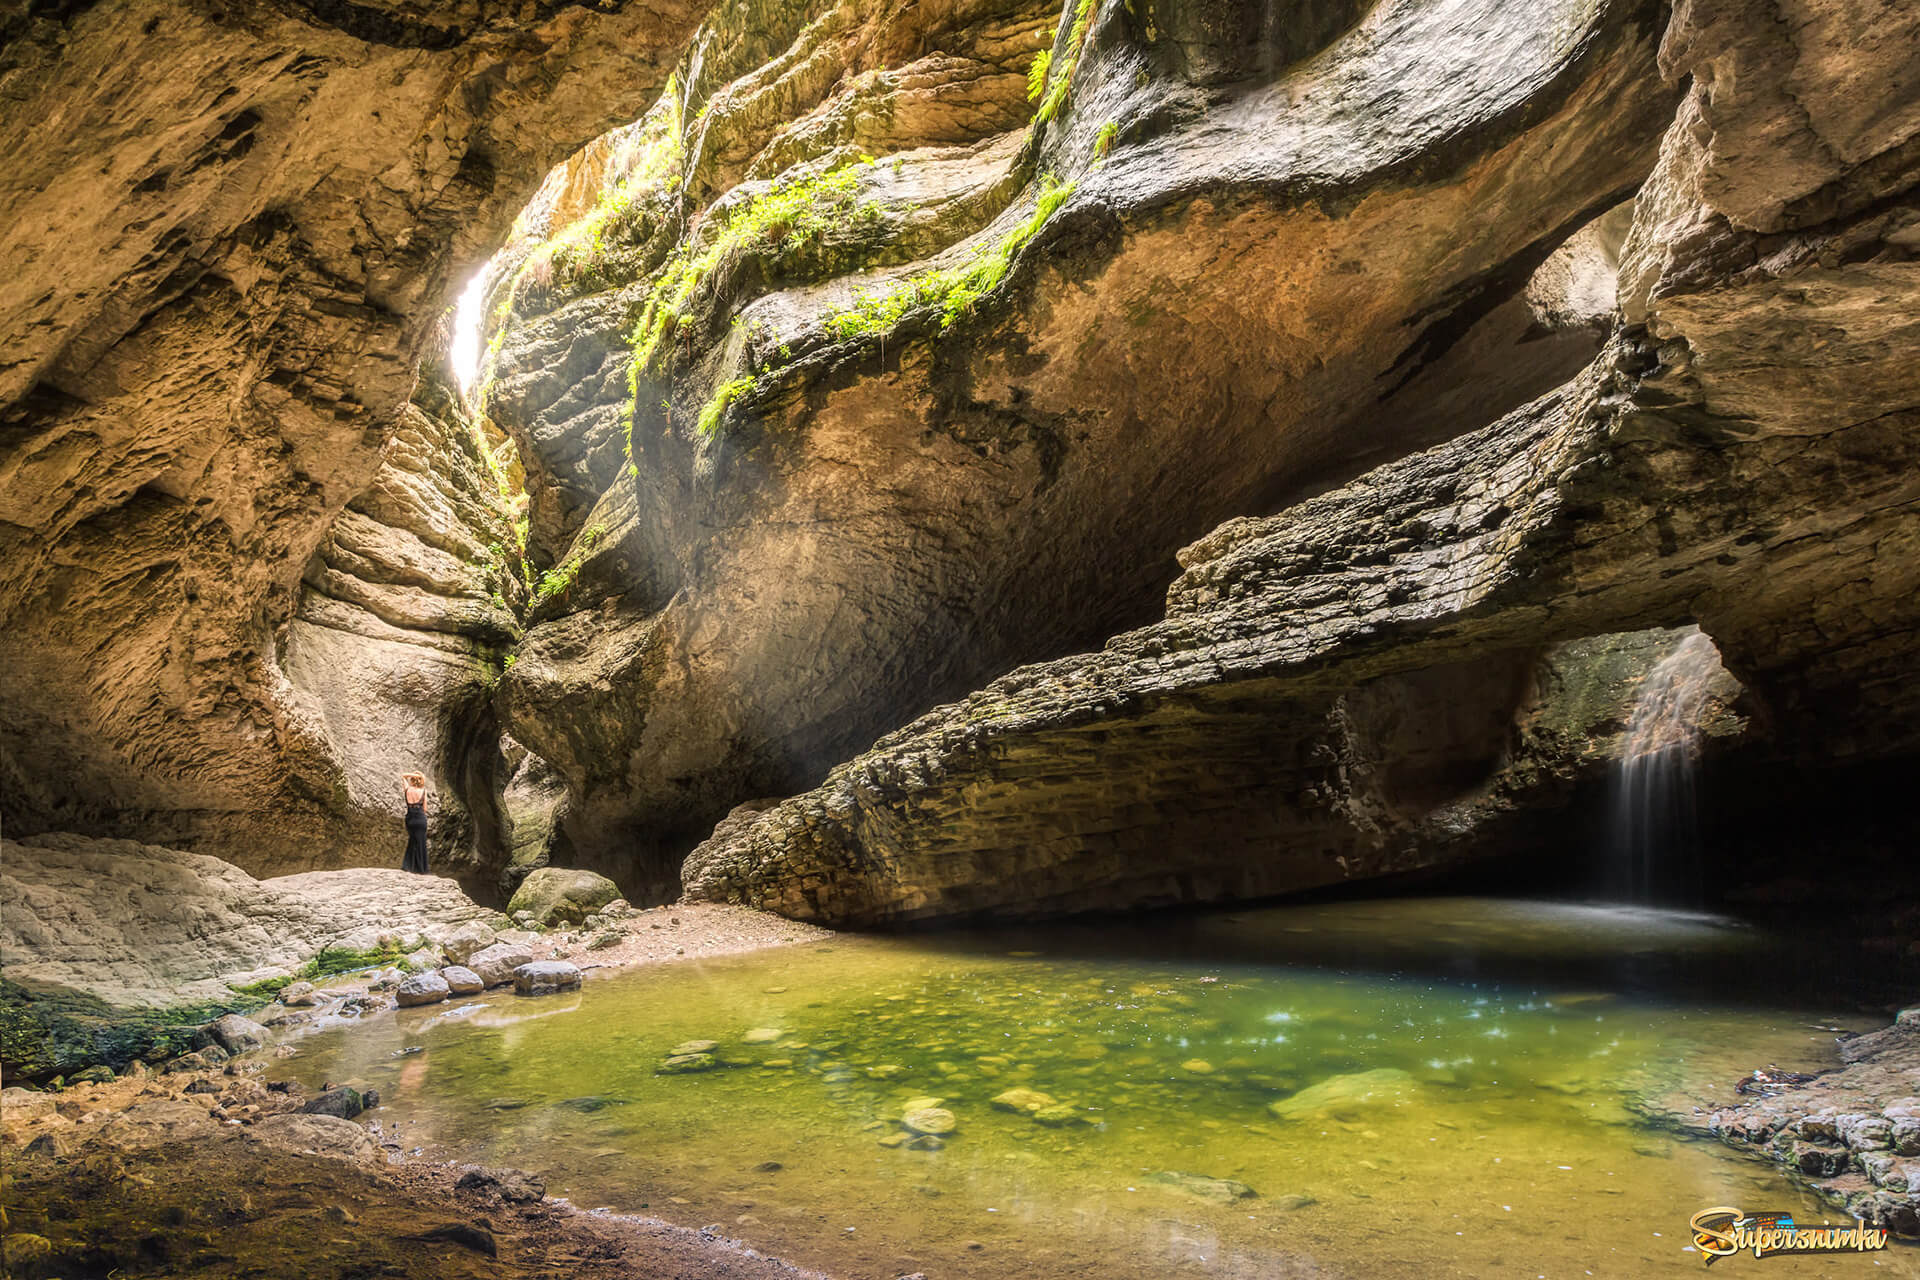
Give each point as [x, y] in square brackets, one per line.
[1430, 1087]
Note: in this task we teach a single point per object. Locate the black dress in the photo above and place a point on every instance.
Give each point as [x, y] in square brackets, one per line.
[416, 859]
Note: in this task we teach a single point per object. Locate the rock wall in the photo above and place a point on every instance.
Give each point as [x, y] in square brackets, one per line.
[221, 272]
[1741, 456]
[865, 361]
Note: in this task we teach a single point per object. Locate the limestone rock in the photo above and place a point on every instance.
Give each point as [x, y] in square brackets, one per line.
[422, 988]
[462, 981]
[561, 895]
[544, 977]
[463, 940]
[246, 280]
[1021, 433]
[495, 965]
[236, 1034]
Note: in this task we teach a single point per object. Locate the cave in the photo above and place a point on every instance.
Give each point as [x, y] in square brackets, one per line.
[1147, 617]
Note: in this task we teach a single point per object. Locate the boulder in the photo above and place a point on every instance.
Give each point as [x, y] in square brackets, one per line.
[494, 965]
[544, 977]
[236, 1034]
[561, 895]
[463, 940]
[344, 1102]
[462, 981]
[423, 988]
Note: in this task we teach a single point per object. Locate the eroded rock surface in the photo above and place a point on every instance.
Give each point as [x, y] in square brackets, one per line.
[107, 943]
[797, 474]
[1714, 465]
[222, 270]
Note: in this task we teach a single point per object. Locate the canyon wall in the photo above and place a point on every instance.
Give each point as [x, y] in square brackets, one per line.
[1742, 455]
[880, 366]
[230, 230]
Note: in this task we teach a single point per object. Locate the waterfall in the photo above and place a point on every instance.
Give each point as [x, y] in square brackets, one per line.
[1655, 829]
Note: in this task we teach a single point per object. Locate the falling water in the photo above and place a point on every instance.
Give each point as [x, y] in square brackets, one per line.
[1655, 855]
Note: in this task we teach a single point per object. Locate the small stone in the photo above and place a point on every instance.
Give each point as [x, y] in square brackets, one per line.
[1023, 1100]
[684, 1063]
[933, 1121]
[100, 1074]
[421, 989]
[768, 1166]
[510, 1185]
[693, 1046]
[301, 995]
[1198, 1066]
[761, 1035]
[893, 1140]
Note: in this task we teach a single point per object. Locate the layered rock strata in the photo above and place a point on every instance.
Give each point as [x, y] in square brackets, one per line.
[1742, 456]
[221, 272]
[851, 379]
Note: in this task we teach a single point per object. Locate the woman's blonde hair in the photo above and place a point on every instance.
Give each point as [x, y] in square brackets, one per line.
[417, 779]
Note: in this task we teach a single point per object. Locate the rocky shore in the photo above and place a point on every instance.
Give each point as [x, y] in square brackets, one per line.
[1850, 1135]
[215, 1171]
[117, 952]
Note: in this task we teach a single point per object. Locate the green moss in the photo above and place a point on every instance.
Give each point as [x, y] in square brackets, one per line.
[955, 290]
[1061, 80]
[724, 395]
[332, 961]
[46, 1029]
[263, 990]
[788, 217]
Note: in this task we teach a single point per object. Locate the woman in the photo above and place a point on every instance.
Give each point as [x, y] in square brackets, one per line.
[415, 791]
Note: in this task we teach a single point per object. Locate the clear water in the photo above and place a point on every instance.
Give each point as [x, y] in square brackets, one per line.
[1529, 1034]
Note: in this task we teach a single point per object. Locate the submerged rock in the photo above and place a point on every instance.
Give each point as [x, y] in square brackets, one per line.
[933, 1121]
[511, 1185]
[1023, 1100]
[693, 1046]
[544, 977]
[685, 1063]
[1218, 1190]
[1336, 1095]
